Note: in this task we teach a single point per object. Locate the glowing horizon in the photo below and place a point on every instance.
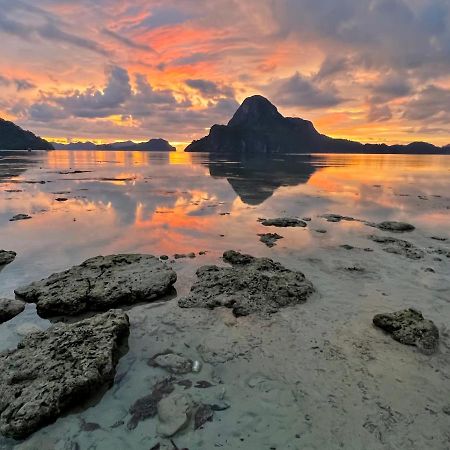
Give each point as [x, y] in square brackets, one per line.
[371, 71]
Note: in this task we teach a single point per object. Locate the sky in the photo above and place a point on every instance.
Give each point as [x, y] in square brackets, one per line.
[105, 70]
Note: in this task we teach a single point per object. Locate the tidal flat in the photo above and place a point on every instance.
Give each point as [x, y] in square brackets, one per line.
[316, 374]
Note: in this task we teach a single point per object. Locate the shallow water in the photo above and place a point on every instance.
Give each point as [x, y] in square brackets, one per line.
[283, 392]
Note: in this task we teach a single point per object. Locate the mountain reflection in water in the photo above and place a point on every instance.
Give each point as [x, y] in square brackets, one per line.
[256, 179]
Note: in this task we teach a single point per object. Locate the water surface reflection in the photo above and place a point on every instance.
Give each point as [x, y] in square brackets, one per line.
[166, 203]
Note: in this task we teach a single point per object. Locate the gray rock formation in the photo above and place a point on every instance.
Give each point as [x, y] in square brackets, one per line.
[10, 308]
[100, 283]
[283, 222]
[270, 239]
[54, 370]
[409, 327]
[7, 257]
[396, 227]
[398, 247]
[251, 285]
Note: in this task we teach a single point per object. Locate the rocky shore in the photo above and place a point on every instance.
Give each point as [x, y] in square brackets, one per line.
[249, 315]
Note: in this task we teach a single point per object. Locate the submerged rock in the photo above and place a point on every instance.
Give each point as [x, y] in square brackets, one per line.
[147, 407]
[174, 414]
[409, 327]
[336, 218]
[172, 362]
[398, 247]
[251, 285]
[204, 413]
[397, 227]
[270, 239]
[7, 257]
[100, 283]
[283, 222]
[53, 370]
[10, 308]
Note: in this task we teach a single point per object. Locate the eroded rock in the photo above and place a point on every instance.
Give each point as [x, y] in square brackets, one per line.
[409, 327]
[283, 222]
[100, 283]
[7, 257]
[251, 285]
[270, 239]
[10, 308]
[398, 247]
[53, 370]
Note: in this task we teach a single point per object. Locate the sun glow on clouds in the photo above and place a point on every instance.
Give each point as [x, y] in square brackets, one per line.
[374, 70]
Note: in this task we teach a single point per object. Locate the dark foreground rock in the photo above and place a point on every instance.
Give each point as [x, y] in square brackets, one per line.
[54, 370]
[270, 239]
[251, 285]
[99, 284]
[283, 222]
[398, 247]
[7, 257]
[10, 308]
[409, 327]
[396, 227]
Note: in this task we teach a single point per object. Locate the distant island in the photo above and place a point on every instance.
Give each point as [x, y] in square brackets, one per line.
[153, 145]
[258, 128]
[12, 137]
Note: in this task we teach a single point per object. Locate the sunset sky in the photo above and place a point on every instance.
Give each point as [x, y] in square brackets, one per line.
[370, 70]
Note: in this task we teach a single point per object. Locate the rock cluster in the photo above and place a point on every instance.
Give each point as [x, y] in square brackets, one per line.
[99, 284]
[53, 370]
[251, 285]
